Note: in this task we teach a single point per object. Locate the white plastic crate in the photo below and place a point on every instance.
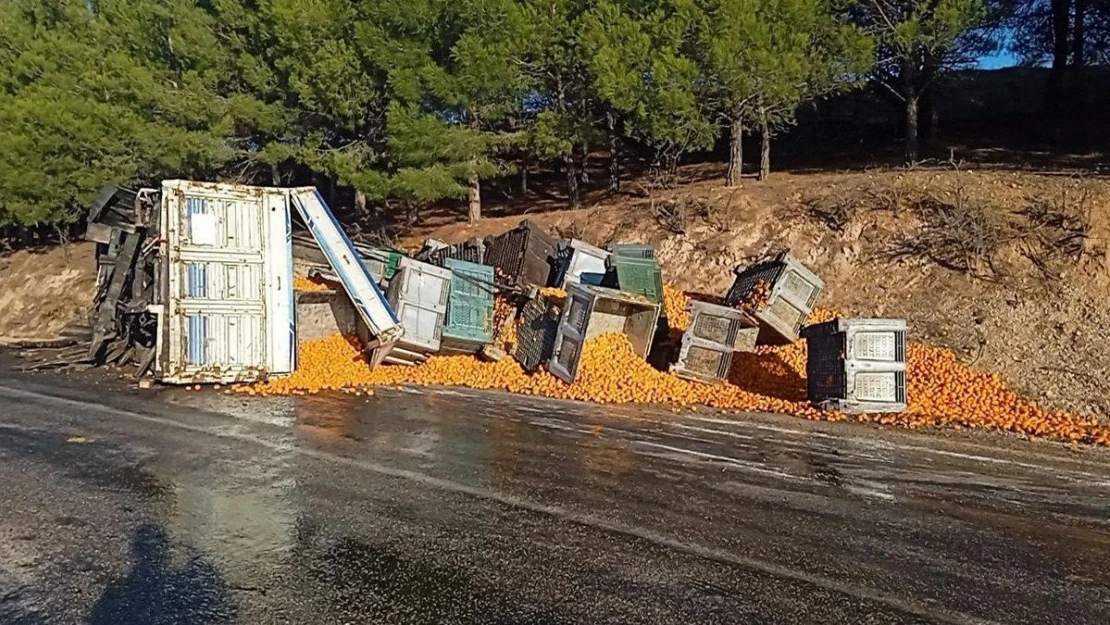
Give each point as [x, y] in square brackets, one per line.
[794, 290]
[857, 365]
[583, 263]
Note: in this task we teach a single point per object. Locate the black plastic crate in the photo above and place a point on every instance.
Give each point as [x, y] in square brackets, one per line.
[472, 251]
[524, 255]
[535, 340]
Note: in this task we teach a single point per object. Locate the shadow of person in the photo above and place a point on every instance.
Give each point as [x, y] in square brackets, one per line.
[154, 592]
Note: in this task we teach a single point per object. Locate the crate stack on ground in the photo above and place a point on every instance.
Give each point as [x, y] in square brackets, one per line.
[791, 292]
[714, 334]
[857, 365]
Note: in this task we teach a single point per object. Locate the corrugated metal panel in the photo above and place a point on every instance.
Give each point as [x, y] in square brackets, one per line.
[229, 309]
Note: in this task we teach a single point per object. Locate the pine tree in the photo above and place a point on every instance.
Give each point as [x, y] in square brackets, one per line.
[917, 41]
[637, 57]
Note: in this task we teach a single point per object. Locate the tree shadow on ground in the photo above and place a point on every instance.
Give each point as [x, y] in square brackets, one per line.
[155, 592]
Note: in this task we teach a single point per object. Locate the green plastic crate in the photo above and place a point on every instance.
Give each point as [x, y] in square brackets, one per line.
[470, 304]
[639, 276]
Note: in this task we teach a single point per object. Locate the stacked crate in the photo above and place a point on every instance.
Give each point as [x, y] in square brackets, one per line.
[469, 307]
[632, 250]
[418, 294]
[714, 333]
[382, 264]
[792, 292]
[592, 311]
[857, 365]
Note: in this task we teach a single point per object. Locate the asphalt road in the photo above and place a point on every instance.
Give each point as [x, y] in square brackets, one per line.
[120, 506]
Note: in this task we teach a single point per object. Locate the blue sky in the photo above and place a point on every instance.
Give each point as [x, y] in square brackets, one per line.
[1003, 58]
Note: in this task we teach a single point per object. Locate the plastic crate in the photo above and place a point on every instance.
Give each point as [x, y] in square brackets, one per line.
[857, 365]
[591, 311]
[703, 361]
[632, 250]
[469, 305]
[523, 255]
[639, 276]
[727, 327]
[794, 290]
[580, 263]
[472, 251]
[418, 294]
[421, 284]
[535, 340]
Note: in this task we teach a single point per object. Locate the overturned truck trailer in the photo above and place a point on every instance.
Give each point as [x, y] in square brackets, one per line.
[226, 308]
[227, 311]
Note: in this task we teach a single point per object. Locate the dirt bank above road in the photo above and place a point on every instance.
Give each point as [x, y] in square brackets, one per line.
[44, 290]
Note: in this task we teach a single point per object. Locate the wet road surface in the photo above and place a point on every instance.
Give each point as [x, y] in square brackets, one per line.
[120, 506]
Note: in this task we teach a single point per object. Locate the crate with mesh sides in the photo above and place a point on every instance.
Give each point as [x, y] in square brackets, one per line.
[591, 311]
[857, 365]
[438, 253]
[702, 361]
[727, 327]
[579, 262]
[535, 339]
[791, 292]
[470, 305]
[638, 276]
[524, 255]
[632, 250]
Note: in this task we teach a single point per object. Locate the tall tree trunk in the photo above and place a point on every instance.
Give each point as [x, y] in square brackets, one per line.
[614, 153]
[1078, 58]
[735, 152]
[911, 131]
[1060, 21]
[584, 163]
[333, 191]
[474, 199]
[572, 179]
[764, 149]
[524, 164]
[275, 175]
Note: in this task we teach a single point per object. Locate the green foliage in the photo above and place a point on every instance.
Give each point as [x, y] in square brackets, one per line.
[406, 99]
[767, 57]
[85, 100]
[638, 62]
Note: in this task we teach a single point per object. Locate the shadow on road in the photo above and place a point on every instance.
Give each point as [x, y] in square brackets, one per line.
[154, 592]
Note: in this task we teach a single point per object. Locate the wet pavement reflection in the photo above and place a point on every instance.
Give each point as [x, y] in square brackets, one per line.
[444, 506]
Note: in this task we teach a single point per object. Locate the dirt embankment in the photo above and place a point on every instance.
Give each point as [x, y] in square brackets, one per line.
[1011, 270]
[44, 290]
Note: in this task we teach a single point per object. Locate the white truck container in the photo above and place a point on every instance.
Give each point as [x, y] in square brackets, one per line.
[227, 313]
